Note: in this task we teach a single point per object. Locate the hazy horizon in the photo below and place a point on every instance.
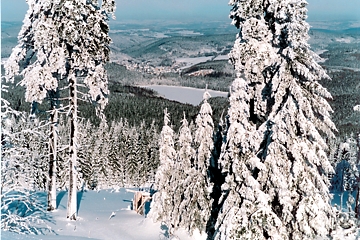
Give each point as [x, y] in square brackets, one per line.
[201, 10]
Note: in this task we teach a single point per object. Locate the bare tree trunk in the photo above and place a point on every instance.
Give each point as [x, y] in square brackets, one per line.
[52, 160]
[72, 198]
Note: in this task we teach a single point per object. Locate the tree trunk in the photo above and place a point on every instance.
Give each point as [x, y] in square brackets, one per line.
[72, 198]
[52, 159]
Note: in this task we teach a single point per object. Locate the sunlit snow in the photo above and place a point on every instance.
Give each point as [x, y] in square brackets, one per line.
[101, 215]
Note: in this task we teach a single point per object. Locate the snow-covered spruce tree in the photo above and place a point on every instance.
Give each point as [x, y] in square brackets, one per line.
[21, 172]
[183, 173]
[118, 161]
[131, 157]
[30, 41]
[203, 138]
[276, 185]
[162, 204]
[21, 178]
[64, 40]
[141, 156]
[357, 200]
[114, 156]
[198, 187]
[153, 152]
[99, 157]
[27, 147]
[244, 206]
[123, 141]
[216, 176]
[87, 137]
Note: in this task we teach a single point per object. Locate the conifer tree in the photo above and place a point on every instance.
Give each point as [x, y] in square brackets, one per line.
[198, 187]
[162, 204]
[142, 158]
[63, 41]
[115, 178]
[357, 200]
[243, 201]
[87, 138]
[153, 152]
[22, 171]
[98, 159]
[204, 135]
[274, 156]
[121, 154]
[183, 173]
[216, 177]
[132, 161]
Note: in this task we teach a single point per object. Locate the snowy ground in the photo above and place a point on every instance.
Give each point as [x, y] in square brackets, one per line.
[107, 215]
[94, 221]
[189, 95]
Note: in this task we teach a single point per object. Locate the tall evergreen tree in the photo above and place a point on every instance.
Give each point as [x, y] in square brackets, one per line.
[87, 138]
[203, 138]
[114, 156]
[243, 201]
[132, 160]
[357, 200]
[122, 152]
[274, 156]
[153, 152]
[198, 187]
[64, 40]
[162, 204]
[99, 157]
[216, 177]
[181, 216]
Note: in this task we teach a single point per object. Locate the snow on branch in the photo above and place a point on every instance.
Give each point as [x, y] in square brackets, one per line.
[357, 108]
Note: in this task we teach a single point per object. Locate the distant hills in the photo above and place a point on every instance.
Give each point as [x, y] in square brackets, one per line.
[153, 54]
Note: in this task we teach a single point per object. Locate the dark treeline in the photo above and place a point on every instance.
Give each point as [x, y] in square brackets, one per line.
[133, 103]
[137, 104]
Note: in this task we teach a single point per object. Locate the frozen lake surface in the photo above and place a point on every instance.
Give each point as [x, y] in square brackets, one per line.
[188, 95]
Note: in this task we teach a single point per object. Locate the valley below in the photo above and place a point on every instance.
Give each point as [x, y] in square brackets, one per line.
[193, 55]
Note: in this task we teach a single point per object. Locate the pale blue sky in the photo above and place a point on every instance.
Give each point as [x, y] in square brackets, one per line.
[14, 10]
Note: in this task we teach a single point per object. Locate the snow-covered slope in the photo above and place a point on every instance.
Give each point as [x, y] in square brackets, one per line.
[94, 221]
